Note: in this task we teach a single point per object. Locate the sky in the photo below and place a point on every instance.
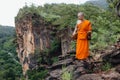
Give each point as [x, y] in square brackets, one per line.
[10, 8]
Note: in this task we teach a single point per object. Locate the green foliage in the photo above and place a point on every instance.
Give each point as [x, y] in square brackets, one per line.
[27, 11]
[55, 46]
[10, 69]
[106, 66]
[112, 3]
[38, 74]
[6, 31]
[105, 30]
[49, 55]
[55, 59]
[66, 74]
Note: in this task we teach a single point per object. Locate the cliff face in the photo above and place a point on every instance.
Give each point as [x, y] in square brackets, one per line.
[25, 41]
[33, 34]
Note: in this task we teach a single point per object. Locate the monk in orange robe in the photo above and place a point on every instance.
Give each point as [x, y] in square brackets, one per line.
[83, 28]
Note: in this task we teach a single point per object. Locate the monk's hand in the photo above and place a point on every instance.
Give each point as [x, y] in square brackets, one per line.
[74, 36]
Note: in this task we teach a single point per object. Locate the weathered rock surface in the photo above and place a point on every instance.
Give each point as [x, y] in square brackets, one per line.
[34, 34]
[89, 69]
[111, 75]
[25, 41]
[90, 77]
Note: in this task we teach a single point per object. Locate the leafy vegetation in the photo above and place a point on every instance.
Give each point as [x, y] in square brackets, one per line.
[106, 66]
[37, 74]
[66, 74]
[10, 68]
[112, 3]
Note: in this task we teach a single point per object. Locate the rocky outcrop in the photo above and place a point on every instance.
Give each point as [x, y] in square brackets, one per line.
[81, 70]
[34, 34]
[25, 41]
[78, 68]
[90, 69]
[65, 38]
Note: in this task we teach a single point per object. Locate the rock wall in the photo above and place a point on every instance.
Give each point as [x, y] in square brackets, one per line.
[65, 38]
[31, 36]
[34, 34]
[25, 41]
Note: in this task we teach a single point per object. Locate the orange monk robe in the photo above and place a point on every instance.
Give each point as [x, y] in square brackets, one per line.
[82, 46]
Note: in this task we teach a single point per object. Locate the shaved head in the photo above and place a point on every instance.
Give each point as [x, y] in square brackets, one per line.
[81, 16]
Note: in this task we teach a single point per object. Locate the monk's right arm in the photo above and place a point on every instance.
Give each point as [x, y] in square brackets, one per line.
[75, 30]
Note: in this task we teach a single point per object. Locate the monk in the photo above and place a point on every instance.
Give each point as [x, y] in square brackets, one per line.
[83, 29]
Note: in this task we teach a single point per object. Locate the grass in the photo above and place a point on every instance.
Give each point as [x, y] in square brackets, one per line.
[66, 74]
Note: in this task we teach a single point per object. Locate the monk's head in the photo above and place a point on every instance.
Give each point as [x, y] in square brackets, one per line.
[81, 16]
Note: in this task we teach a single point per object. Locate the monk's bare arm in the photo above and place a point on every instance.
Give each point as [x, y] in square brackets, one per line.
[75, 30]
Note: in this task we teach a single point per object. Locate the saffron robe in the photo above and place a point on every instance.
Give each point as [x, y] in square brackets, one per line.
[82, 45]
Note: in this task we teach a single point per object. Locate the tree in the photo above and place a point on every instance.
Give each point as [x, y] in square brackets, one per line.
[113, 3]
